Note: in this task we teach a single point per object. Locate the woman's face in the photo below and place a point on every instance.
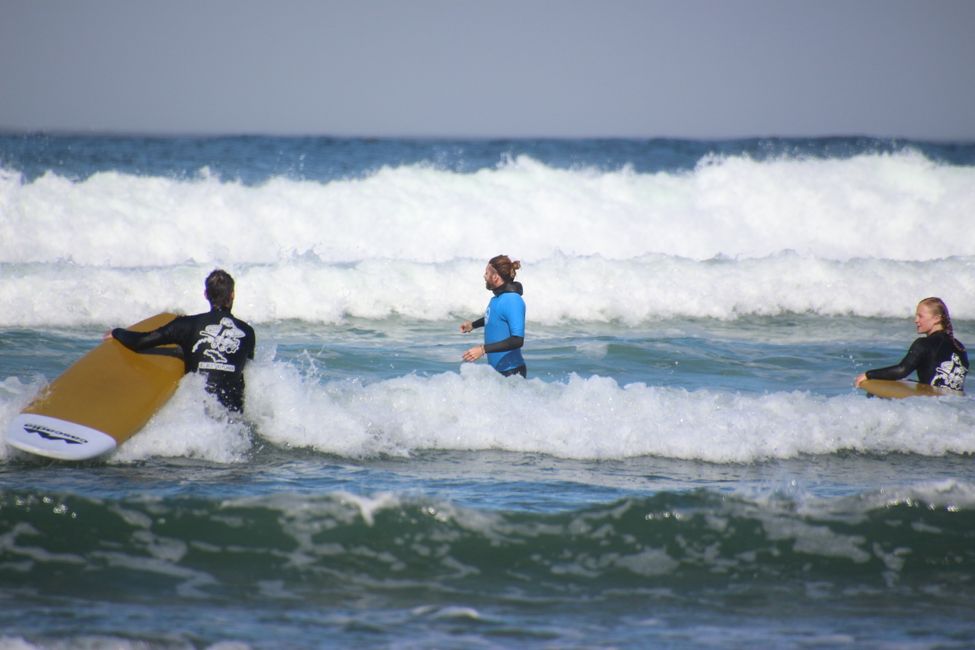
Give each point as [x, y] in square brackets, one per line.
[926, 320]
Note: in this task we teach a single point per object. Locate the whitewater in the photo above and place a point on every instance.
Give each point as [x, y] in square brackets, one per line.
[731, 237]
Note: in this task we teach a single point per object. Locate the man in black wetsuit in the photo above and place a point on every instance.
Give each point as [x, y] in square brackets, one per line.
[216, 343]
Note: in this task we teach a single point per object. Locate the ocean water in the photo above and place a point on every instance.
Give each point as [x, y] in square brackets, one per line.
[687, 465]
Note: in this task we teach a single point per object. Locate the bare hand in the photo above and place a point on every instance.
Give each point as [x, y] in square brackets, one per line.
[466, 327]
[474, 353]
[862, 377]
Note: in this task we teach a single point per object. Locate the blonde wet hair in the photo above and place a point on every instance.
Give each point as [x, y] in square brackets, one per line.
[940, 309]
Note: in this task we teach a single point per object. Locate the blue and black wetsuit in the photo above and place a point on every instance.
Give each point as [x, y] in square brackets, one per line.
[939, 360]
[215, 343]
[504, 330]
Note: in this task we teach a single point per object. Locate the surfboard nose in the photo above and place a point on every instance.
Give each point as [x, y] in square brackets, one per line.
[55, 438]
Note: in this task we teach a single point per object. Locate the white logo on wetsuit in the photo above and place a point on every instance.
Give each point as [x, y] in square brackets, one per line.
[951, 374]
[222, 338]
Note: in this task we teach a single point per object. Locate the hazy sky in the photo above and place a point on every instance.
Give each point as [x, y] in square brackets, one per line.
[716, 68]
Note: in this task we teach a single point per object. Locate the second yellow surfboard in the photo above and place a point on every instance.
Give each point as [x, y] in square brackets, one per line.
[900, 389]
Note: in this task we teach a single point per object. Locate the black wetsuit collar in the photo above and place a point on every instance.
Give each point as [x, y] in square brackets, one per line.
[510, 287]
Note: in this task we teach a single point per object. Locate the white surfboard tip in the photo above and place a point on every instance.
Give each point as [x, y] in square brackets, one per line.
[56, 438]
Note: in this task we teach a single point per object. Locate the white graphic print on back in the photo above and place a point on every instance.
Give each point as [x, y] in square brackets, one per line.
[950, 374]
[221, 338]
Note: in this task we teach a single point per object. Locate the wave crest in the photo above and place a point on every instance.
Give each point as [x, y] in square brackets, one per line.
[898, 206]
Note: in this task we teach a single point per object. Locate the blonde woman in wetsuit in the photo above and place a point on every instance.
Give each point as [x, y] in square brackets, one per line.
[938, 357]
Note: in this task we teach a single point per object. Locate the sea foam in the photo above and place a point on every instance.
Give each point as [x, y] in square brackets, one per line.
[592, 418]
[594, 289]
[581, 418]
[898, 206]
[867, 235]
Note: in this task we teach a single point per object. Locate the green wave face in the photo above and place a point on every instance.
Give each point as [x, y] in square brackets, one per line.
[338, 547]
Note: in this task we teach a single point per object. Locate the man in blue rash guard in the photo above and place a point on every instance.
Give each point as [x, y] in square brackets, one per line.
[216, 343]
[503, 321]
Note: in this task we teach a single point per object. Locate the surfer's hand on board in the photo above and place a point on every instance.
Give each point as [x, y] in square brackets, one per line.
[862, 377]
[474, 353]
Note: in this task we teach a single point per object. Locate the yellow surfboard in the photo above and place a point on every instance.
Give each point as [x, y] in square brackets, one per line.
[100, 401]
[900, 388]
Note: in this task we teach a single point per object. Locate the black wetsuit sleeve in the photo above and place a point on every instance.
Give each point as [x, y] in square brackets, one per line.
[172, 332]
[908, 364]
[510, 343]
[139, 341]
[477, 323]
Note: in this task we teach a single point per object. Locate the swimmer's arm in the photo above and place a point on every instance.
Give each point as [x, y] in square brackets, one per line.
[138, 341]
[510, 343]
[478, 351]
[171, 332]
[467, 326]
[908, 364]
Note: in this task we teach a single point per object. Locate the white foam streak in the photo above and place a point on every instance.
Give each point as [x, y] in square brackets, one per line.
[897, 206]
[582, 418]
[585, 289]
[592, 418]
